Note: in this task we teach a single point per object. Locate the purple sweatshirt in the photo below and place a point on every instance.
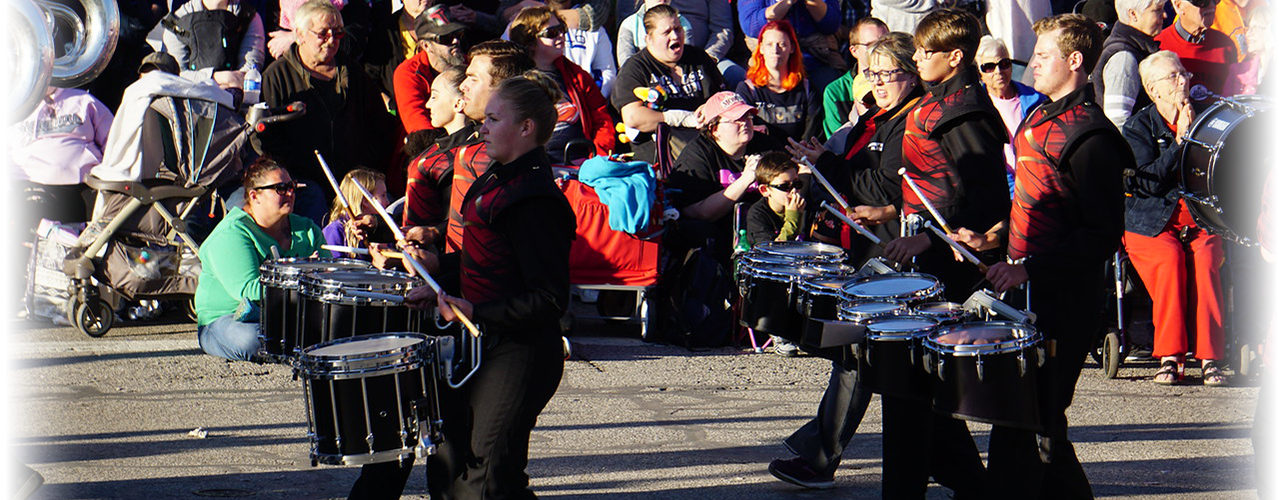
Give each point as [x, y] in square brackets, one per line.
[61, 140]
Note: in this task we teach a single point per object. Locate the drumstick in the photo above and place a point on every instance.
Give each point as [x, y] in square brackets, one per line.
[981, 266]
[417, 266]
[361, 251]
[927, 204]
[275, 252]
[821, 179]
[328, 173]
[853, 224]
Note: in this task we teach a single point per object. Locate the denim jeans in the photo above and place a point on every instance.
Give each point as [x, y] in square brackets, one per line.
[227, 338]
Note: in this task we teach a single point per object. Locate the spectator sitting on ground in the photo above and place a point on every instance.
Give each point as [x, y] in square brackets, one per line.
[1115, 80]
[685, 73]
[441, 45]
[1013, 99]
[846, 97]
[1247, 75]
[778, 87]
[583, 114]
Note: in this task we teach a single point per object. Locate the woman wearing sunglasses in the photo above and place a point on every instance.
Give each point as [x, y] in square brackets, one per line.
[1013, 99]
[583, 112]
[226, 298]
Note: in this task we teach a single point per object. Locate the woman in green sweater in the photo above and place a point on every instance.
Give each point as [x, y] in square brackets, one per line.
[226, 300]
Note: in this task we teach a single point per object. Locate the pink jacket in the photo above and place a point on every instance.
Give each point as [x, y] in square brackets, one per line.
[61, 140]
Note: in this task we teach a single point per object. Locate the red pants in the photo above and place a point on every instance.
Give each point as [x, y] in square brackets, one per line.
[1167, 267]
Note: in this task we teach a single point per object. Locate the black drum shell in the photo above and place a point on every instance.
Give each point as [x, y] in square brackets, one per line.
[1001, 396]
[322, 321]
[817, 311]
[280, 279]
[1223, 185]
[895, 367]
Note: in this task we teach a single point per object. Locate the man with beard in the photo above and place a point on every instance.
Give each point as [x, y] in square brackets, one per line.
[440, 47]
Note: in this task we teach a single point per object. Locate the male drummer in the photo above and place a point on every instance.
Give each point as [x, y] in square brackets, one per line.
[1067, 219]
[953, 151]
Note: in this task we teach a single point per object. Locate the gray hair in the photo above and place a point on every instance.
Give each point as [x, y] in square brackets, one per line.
[990, 45]
[307, 12]
[1123, 6]
[1147, 66]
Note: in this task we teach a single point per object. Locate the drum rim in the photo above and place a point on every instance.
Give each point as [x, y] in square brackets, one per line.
[933, 290]
[748, 269]
[1206, 215]
[367, 458]
[872, 335]
[973, 350]
[899, 308]
[273, 266]
[830, 252]
[313, 286]
[363, 364]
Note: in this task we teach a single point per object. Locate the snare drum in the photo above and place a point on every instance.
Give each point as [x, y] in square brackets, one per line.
[280, 297]
[371, 399]
[800, 251]
[985, 372]
[892, 361]
[769, 293]
[907, 288]
[1220, 184]
[946, 313]
[340, 304]
[823, 332]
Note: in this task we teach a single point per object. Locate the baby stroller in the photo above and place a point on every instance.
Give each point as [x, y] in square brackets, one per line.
[172, 144]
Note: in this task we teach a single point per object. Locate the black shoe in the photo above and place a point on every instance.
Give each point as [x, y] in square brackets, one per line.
[797, 472]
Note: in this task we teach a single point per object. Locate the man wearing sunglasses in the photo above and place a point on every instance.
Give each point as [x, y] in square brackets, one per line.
[441, 45]
[346, 119]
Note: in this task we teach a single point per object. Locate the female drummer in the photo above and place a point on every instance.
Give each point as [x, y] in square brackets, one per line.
[1177, 260]
[226, 298]
[513, 269]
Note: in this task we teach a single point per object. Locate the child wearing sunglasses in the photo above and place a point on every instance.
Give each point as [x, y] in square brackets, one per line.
[778, 215]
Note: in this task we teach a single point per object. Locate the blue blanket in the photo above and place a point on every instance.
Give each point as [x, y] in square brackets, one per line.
[627, 189]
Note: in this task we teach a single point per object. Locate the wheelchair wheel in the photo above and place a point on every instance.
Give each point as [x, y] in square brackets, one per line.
[1111, 354]
[94, 318]
[648, 323]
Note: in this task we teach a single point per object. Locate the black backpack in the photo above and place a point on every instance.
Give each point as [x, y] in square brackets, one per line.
[212, 37]
[695, 308]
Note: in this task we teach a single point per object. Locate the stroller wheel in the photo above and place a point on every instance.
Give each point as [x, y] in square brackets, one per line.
[1111, 354]
[1247, 360]
[94, 318]
[188, 307]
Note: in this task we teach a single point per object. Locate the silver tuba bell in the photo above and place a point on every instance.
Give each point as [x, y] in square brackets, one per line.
[31, 43]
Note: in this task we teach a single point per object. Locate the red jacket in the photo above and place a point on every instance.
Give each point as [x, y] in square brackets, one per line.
[597, 124]
[412, 88]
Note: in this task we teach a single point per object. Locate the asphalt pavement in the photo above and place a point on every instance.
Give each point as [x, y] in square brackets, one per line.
[142, 413]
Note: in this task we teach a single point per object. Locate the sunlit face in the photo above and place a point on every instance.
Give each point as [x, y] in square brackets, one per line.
[733, 135]
[1195, 20]
[268, 204]
[552, 46]
[477, 87]
[666, 40]
[1149, 20]
[866, 35]
[776, 48]
[320, 41]
[934, 65]
[1051, 69]
[890, 83]
[443, 104]
[379, 194]
[1258, 36]
[1000, 79]
[1170, 84]
[502, 133]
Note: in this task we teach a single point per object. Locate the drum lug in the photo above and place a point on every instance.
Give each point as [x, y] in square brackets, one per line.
[1212, 148]
[369, 440]
[941, 368]
[928, 363]
[981, 370]
[1043, 356]
[1021, 363]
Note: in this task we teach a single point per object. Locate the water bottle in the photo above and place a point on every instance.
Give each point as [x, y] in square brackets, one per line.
[743, 245]
[252, 86]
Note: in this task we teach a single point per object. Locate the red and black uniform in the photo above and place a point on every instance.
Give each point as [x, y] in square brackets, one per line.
[471, 161]
[1209, 56]
[431, 180]
[953, 149]
[1067, 220]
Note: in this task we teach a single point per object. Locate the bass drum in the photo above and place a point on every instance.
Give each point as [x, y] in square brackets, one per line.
[1221, 182]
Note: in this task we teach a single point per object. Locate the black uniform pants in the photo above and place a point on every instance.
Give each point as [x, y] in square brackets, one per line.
[1045, 465]
[822, 440]
[919, 443]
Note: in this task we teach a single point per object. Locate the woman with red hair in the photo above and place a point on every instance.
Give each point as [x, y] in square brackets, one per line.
[777, 85]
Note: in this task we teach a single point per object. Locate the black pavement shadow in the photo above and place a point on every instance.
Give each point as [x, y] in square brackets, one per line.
[105, 446]
[27, 363]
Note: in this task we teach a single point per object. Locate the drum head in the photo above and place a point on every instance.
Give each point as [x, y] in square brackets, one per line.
[946, 309]
[854, 311]
[780, 272]
[362, 346]
[288, 270]
[835, 269]
[1219, 175]
[369, 278]
[802, 250]
[823, 285]
[903, 286]
[983, 337]
[899, 326]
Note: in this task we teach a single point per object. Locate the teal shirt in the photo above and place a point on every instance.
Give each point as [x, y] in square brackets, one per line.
[232, 254]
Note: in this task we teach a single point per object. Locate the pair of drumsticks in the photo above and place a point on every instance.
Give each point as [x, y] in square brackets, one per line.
[944, 232]
[399, 235]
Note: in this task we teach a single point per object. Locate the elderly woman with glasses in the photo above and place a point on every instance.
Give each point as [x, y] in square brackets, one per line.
[1012, 98]
[226, 298]
[1177, 260]
[583, 112]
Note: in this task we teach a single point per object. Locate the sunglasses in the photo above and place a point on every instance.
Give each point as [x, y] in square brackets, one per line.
[552, 31]
[325, 35]
[450, 39]
[282, 188]
[1002, 64]
[787, 186]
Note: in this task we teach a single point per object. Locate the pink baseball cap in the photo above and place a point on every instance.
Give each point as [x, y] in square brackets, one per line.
[727, 105]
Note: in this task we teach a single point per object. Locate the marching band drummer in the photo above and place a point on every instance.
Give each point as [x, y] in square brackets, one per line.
[513, 270]
[1067, 219]
[230, 287]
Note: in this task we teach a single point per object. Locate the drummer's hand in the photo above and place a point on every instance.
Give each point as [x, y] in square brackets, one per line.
[362, 226]
[810, 149]
[380, 261]
[428, 260]
[903, 249]
[462, 305]
[1185, 116]
[1004, 276]
[422, 235]
[867, 215]
[421, 297]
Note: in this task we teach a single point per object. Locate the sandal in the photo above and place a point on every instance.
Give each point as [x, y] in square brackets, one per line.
[1212, 375]
[1169, 373]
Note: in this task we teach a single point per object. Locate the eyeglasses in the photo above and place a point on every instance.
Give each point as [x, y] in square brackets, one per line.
[787, 186]
[882, 76]
[1179, 74]
[282, 188]
[449, 39]
[1002, 64]
[745, 120]
[928, 53]
[552, 31]
[326, 34]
